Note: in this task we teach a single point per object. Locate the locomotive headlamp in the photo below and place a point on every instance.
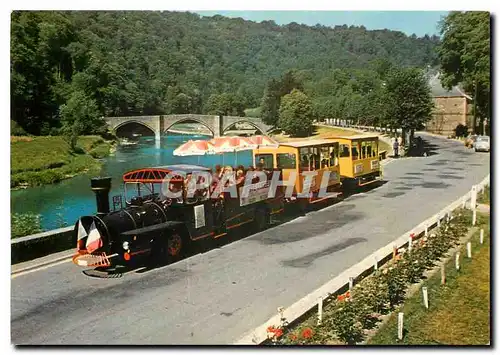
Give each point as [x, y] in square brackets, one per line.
[125, 245]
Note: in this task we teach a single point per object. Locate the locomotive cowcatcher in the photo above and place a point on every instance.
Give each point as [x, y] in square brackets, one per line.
[161, 227]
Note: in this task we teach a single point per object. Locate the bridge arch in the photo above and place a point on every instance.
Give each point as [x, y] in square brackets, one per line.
[189, 120]
[121, 126]
[250, 123]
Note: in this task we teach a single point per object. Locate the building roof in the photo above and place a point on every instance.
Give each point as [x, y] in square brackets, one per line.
[438, 90]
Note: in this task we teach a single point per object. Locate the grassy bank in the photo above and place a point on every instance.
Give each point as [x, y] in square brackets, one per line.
[45, 160]
[327, 132]
[459, 311]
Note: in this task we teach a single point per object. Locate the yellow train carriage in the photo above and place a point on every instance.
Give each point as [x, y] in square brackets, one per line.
[359, 160]
[318, 155]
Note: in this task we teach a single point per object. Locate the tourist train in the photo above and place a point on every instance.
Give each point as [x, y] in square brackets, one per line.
[165, 210]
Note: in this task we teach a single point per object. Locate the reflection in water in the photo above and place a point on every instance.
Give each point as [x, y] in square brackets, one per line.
[65, 202]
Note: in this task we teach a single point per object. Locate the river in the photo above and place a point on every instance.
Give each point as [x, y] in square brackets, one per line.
[63, 203]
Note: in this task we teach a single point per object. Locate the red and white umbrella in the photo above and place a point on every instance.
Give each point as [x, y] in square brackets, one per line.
[263, 141]
[195, 147]
[231, 144]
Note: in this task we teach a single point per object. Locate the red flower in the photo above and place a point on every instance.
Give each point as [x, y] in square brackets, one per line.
[340, 298]
[271, 329]
[348, 294]
[293, 337]
[307, 333]
[278, 333]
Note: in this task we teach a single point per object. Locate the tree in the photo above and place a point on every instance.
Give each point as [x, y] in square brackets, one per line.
[296, 113]
[226, 105]
[79, 116]
[407, 100]
[273, 93]
[464, 55]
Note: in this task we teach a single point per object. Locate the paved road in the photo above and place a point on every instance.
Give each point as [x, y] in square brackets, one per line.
[215, 297]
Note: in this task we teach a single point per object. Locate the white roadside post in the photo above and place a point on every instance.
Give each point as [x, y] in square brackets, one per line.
[457, 260]
[469, 250]
[481, 236]
[400, 325]
[426, 231]
[473, 198]
[438, 221]
[320, 310]
[426, 297]
[375, 264]
[351, 283]
[443, 274]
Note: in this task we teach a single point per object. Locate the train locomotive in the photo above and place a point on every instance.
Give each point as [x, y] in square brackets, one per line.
[162, 228]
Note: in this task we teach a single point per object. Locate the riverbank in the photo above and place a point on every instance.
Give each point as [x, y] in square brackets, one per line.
[45, 160]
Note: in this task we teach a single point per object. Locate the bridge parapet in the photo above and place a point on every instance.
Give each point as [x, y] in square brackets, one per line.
[159, 124]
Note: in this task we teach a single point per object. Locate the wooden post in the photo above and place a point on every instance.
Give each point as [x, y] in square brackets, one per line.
[426, 298]
[410, 239]
[394, 251]
[474, 216]
[457, 260]
[400, 325]
[481, 236]
[320, 310]
[375, 264]
[469, 250]
[426, 231]
[443, 273]
[351, 283]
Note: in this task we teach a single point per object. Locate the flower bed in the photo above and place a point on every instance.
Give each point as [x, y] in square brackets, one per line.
[348, 317]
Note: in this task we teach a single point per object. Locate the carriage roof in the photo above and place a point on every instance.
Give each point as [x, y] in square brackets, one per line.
[158, 174]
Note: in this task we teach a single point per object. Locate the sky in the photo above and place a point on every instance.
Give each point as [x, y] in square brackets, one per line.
[409, 22]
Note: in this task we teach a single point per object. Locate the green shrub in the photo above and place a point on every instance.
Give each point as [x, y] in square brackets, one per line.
[344, 322]
[24, 224]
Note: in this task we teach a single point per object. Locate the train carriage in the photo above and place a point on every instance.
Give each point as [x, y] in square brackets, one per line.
[359, 160]
[317, 156]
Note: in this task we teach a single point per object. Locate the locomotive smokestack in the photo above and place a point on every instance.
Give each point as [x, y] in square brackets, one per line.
[101, 187]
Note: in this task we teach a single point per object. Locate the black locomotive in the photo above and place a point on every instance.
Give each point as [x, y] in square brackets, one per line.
[161, 228]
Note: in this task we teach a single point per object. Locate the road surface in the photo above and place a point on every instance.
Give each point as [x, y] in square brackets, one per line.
[217, 296]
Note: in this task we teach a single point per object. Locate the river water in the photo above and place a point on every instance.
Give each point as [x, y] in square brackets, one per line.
[63, 203]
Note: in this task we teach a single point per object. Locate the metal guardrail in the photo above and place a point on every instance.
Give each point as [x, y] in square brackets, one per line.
[364, 267]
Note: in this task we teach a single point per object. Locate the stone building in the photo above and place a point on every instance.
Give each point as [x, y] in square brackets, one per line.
[452, 107]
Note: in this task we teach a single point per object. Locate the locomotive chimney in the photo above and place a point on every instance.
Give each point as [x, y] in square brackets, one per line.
[101, 187]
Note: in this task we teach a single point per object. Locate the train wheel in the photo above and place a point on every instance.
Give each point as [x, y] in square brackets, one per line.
[174, 246]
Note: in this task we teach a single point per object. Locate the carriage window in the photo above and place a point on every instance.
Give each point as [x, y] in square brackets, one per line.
[344, 150]
[334, 155]
[286, 161]
[309, 158]
[363, 150]
[354, 149]
[374, 149]
[265, 159]
[325, 156]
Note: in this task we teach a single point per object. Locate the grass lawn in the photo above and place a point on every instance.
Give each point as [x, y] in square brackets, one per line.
[45, 160]
[459, 311]
[327, 132]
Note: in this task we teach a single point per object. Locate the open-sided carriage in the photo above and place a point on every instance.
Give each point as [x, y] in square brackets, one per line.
[165, 210]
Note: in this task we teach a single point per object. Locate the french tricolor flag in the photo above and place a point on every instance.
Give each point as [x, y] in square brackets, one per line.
[94, 240]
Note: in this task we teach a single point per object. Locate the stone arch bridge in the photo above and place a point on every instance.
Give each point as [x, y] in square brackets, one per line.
[217, 125]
